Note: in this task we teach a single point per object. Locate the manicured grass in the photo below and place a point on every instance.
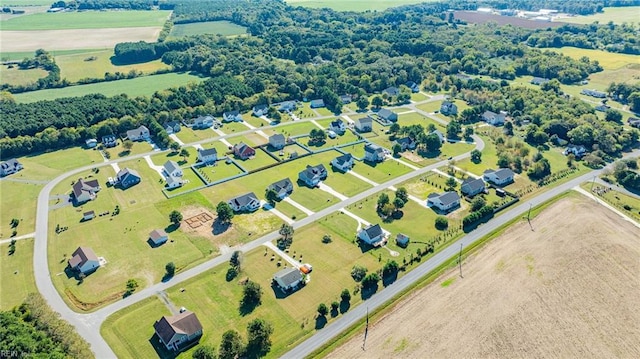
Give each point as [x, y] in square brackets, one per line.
[323, 111]
[489, 159]
[161, 158]
[299, 128]
[313, 199]
[261, 159]
[251, 139]
[87, 20]
[15, 76]
[26, 3]
[231, 127]
[188, 135]
[347, 138]
[290, 210]
[139, 147]
[421, 187]
[381, 172]
[418, 97]
[220, 171]
[224, 28]
[141, 86]
[16, 274]
[618, 15]
[18, 201]
[345, 183]
[304, 111]
[191, 181]
[354, 5]
[46, 166]
[431, 106]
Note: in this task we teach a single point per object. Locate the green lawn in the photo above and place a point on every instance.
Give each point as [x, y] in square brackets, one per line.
[608, 60]
[232, 127]
[16, 274]
[15, 76]
[191, 181]
[261, 159]
[354, 5]
[323, 111]
[141, 86]
[297, 128]
[418, 97]
[18, 201]
[224, 28]
[421, 187]
[26, 3]
[618, 15]
[187, 135]
[86, 20]
[305, 111]
[161, 158]
[290, 210]
[617, 199]
[383, 171]
[345, 183]
[46, 166]
[220, 171]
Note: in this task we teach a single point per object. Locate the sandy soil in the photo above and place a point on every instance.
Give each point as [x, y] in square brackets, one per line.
[17, 41]
[569, 289]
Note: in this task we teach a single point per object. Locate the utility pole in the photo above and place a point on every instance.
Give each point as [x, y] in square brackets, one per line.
[529, 216]
[366, 330]
[592, 183]
[460, 260]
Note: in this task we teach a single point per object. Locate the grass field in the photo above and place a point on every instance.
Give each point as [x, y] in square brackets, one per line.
[224, 28]
[382, 171]
[353, 5]
[16, 274]
[18, 201]
[17, 56]
[16, 76]
[141, 86]
[618, 15]
[617, 199]
[608, 60]
[26, 3]
[46, 166]
[86, 20]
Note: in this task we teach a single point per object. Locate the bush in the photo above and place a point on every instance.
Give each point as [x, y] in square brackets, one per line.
[322, 309]
[345, 295]
[442, 222]
[370, 280]
[358, 273]
[326, 239]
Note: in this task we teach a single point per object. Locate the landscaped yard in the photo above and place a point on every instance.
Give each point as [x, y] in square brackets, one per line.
[191, 181]
[16, 274]
[161, 158]
[261, 159]
[296, 128]
[626, 204]
[233, 127]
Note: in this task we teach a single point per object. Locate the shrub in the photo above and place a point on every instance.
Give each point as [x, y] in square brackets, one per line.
[358, 273]
[442, 222]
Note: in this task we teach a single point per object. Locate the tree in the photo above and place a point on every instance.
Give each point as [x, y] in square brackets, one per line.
[634, 101]
[451, 183]
[402, 194]
[370, 280]
[236, 259]
[377, 101]
[15, 222]
[127, 145]
[175, 217]
[396, 149]
[272, 196]
[398, 203]
[442, 222]
[390, 268]
[476, 156]
[453, 128]
[382, 200]
[468, 132]
[251, 294]
[170, 268]
[204, 352]
[394, 128]
[258, 337]
[231, 345]
[286, 231]
[613, 115]
[224, 211]
[326, 238]
[185, 154]
[345, 296]
[322, 309]
[358, 272]
[174, 146]
[477, 203]
[387, 209]
[432, 142]
[362, 103]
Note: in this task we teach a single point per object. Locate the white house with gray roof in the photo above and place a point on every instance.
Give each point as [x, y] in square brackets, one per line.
[373, 153]
[372, 235]
[445, 202]
[312, 175]
[472, 186]
[388, 115]
[208, 155]
[288, 278]
[139, 134]
[500, 177]
[247, 202]
[364, 124]
[172, 169]
[277, 141]
[343, 163]
[10, 166]
[283, 188]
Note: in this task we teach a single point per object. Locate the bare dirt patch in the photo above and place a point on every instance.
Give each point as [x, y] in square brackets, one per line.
[568, 289]
[18, 41]
[481, 18]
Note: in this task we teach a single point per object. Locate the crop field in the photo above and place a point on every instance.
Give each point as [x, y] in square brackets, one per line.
[15, 76]
[475, 17]
[617, 15]
[86, 20]
[16, 274]
[523, 292]
[141, 86]
[224, 28]
[354, 5]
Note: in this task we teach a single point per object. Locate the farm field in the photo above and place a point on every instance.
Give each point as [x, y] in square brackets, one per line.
[608, 60]
[474, 17]
[224, 28]
[141, 86]
[15, 76]
[354, 5]
[87, 20]
[16, 274]
[618, 15]
[545, 295]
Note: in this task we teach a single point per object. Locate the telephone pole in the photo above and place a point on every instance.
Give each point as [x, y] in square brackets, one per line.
[460, 260]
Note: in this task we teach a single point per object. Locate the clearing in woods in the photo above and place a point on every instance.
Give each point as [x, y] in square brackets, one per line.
[618, 15]
[567, 289]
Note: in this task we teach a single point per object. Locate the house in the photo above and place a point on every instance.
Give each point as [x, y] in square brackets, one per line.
[594, 93]
[288, 278]
[172, 169]
[260, 110]
[634, 122]
[364, 124]
[402, 240]
[158, 236]
[500, 177]
[312, 175]
[84, 260]
[373, 153]
[109, 141]
[10, 166]
[91, 143]
[343, 163]
[414, 87]
[317, 103]
[84, 191]
[283, 187]
[602, 107]
[243, 151]
[128, 177]
[172, 127]
[174, 182]
[232, 116]
[440, 135]
[177, 330]
[87, 216]
[247, 202]
[539, 80]
[388, 115]
[391, 91]
[372, 235]
[472, 186]
[202, 122]
[493, 118]
[277, 141]
[445, 201]
[337, 126]
[287, 106]
[208, 155]
[345, 99]
[406, 143]
[448, 108]
[139, 134]
[577, 151]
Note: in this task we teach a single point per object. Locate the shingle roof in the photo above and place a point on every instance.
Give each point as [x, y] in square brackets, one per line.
[373, 231]
[81, 256]
[157, 234]
[277, 137]
[208, 151]
[260, 107]
[171, 166]
[384, 113]
[82, 186]
[283, 184]
[288, 276]
[127, 172]
[233, 113]
[474, 184]
[365, 121]
[373, 148]
[244, 199]
[448, 198]
[183, 323]
[336, 123]
[344, 158]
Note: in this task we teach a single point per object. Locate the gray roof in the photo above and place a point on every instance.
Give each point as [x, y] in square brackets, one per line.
[391, 91]
[402, 238]
[277, 137]
[82, 185]
[283, 184]
[171, 180]
[233, 113]
[184, 323]
[384, 113]
[448, 198]
[318, 102]
[171, 124]
[373, 148]
[10, 163]
[203, 119]
[404, 140]
[260, 107]
[501, 174]
[208, 151]
[127, 172]
[474, 184]
[244, 199]
[344, 158]
[171, 166]
[137, 131]
[81, 255]
[365, 121]
[314, 171]
[288, 276]
[373, 231]
[337, 122]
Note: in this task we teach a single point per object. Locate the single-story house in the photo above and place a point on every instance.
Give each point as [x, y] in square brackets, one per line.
[232, 116]
[139, 134]
[247, 202]
[594, 93]
[158, 236]
[91, 142]
[373, 153]
[277, 141]
[317, 103]
[172, 169]
[345, 99]
[128, 177]
[208, 155]
[388, 115]
[472, 186]
[337, 126]
[260, 110]
[577, 150]
[283, 188]
[445, 201]
[172, 127]
[634, 122]
[84, 191]
[406, 143]
[288, 278]
[174, 182]
[402, 240]
[84, 260]
[243, 151]
[440, 135]
[343, 163]
[602, 107]
[372, 235]
[448, 108]
[312, 175]
[414, 87]
[391, 91]
[287, 106]
[500, 177]
[202, 122]
[177, 330]
[10, 166]
[364, 124]
[493, 118]
[86, 216]
[109, 141]
[539, 80]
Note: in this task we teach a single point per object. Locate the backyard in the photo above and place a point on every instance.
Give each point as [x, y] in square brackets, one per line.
[16, 274]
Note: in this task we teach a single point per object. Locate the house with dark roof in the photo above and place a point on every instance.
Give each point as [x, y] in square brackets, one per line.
[247, 202]
[373, 153]
[602, 107]
[472, 186]
[391, 91]
[84, 191]
[634, 122]
[493, 118]
[576, 150]
[84, 260]
[406, 143]
[414, 87]
[448, 108]
[158, 237]
[372, 235]
[539, 80]
[283, 188]
[402, 240]
[364, 124]
[128, 177]
[337, 126]
[178, 331]
[345, 99]
[317, 103]
[9, 167]
[174, 182]
[109, 141]
[207, 155]
[172, 127]
[343, 163]
[139, 134]
[287, 106]
[172, 169]
[277, 141]
[243, 151]
[91, 142]
[445, 202]
[500, 177]
[387, 115]
[232, 116]
[260, 110]
[312, 175]
[288, 279]
[594, 93]
[440, 135]
[202, 122]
